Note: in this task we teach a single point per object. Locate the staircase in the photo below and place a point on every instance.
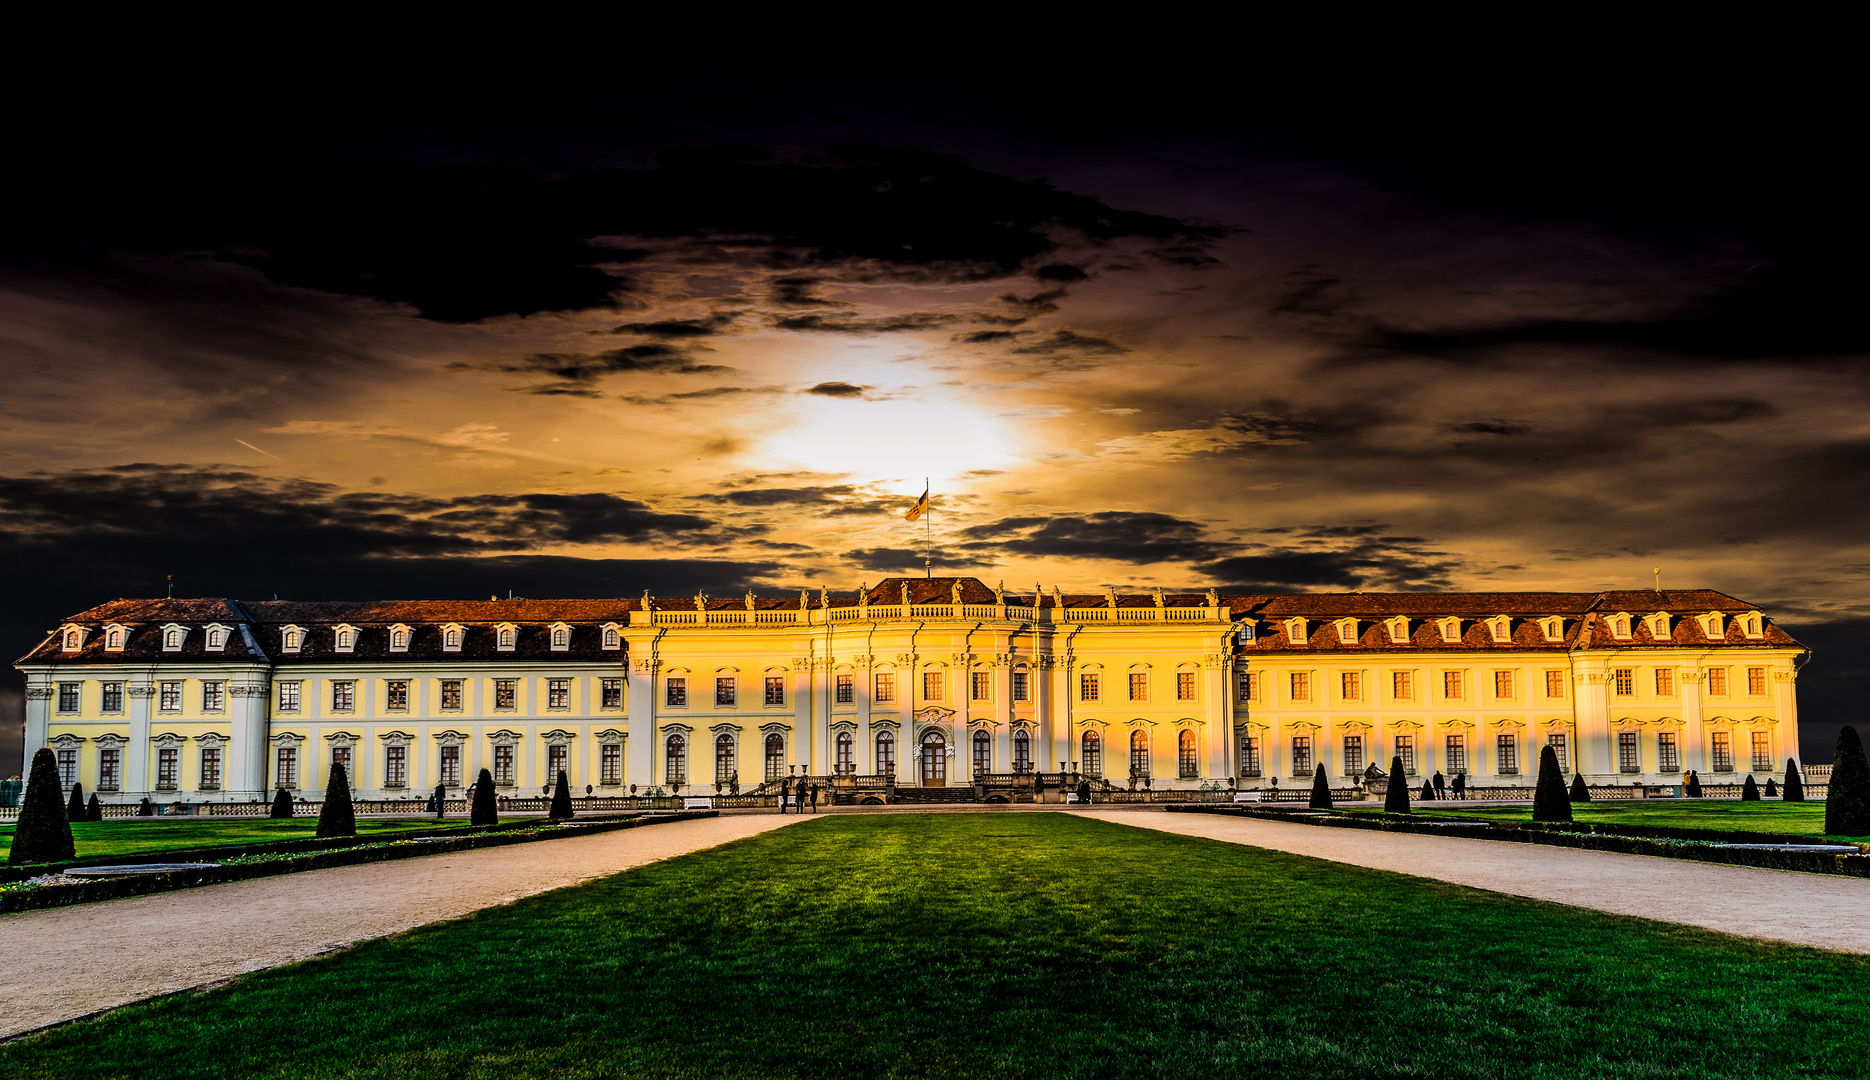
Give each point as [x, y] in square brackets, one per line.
[934, 795]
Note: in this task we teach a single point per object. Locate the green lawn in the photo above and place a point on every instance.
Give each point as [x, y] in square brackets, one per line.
[1002, 945]
[141, 836]
[1799, 819]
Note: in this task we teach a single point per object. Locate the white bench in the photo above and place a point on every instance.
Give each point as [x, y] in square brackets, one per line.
[1246, 796]
[698, 804]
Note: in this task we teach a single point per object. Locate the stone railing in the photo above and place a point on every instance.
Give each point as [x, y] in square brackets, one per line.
[935, 612]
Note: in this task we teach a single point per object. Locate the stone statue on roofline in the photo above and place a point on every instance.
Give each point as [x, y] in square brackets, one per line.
[1214, 598]
[749, 599]
[649, 602]
[1159, 596]
[954, 590]
[999, 593]
[701, 600]
[1110, 594]
[905, 593]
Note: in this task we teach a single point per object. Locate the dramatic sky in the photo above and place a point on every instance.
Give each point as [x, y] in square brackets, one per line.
[1412, 323]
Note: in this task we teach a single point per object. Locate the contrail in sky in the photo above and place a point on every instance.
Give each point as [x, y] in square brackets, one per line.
[257, 450]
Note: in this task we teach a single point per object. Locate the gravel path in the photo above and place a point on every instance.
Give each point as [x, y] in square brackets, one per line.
[1804, 909]
[64, 963]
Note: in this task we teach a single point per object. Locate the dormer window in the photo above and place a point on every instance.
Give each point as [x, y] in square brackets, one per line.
[1711, 627]
[1296, 633]
[1554, 629]
[1450, 629]
[1659, 626]
[1347, 631]
[172, 637]
[1620, 626]
[344, 639]
[217, 637]
[114, 637]
[504, 636]
[291, 639]
[399, 638]
[1751, 625]
[612, 638]
[1399, 631]
[1501, 628]
[74, 639]
[561, 637]
[451, 638]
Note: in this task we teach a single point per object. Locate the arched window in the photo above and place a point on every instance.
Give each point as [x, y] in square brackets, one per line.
[292, 639]
[344, 638]
[675, 761]
[1139, 754]
[172, 639]
[847, 754]
[983, 753]
[610, 637]
[724, 770]
[452, 639]
[1022, 751]
[72, 640]
[775, 756]
[560, 637]
[114, 640]
[506, 637]
[399, 639]
[886, 754]
[1185, 755]
[1091, 754]
[934, 760]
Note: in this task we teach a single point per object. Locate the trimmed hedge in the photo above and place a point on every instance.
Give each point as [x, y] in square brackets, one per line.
[43, 834]
[1321, 790]
[1847, 804]
[1396, 795]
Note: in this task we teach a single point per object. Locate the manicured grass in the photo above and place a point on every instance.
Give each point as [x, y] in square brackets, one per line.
[142, 836]
[1003, 945]
[1799, 819]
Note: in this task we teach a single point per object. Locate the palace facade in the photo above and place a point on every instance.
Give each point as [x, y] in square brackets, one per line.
[938, 682]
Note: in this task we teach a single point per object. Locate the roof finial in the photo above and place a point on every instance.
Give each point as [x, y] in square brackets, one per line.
[1658, 581]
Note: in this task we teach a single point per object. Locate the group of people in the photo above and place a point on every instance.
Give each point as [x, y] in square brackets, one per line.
[800, 789]
[1436, 787]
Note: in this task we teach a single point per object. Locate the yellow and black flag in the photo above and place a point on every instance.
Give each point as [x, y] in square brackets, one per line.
[921, 507]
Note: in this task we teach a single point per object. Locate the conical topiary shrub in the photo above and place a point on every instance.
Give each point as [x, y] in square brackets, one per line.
[1794, 789]
[1428, 791]
[1772, 789]
[481, 810]
[337, 817]
[1847, 806]
[1749, 791]
[74, 806]
[561, 799]
[1550, 801]
[1579, 793]
[1693, 787]
[94, 811]
[1321, 790]
[43, 834]
[1396, 798]
[282, 804]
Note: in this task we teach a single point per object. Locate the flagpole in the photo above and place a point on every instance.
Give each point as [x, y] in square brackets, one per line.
[928, 543]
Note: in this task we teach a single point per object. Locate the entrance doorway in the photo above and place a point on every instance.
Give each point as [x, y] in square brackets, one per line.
[934, 760]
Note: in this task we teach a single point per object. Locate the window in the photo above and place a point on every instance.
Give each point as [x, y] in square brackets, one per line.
[506, 693]
[451, 766]
[211, 768]
[343, 696]
[1717, 682]
[1088, 689]
[775, 690]
[395, 766]
[1762, 756]
[677, 691]
[1247, 686]
[1723, 752]
[1139, 754]
[1455, 754]
[396, 695]
[113, 639]
[505, 638]
[1665, 682]
[1451, 630]
[1502, 629]
[1402, 685]
[1756, 681]
[172, 639]
[1091, 754]
[1555, 684]
[558, 693]
[1507, 749]
[846, 760]
[288, 697]
[292, 639]
[169, 697]
[73, 641]
[1353, 754]
[610, 764]
[726, 691]
[1668, 756]
[67, 767]
[1347, 632]
[1184, 686]
[1451, 688]
[675, 760]
[846, 690]
[1186, 766]
[113, 697]
[341, 759]
[109, 768]
[610, 637]
[1249, 756]
[1139, 686]
[213, 696]
[451, 695]
[931, 686]
[503, 766]
[1022, 751]
[1301, 686]
[557, 760]
[886, 754]
[1625, 681]
[775, 756]
[1620, 626]
[1627, 759]
[1405, 749]
[286, 767]
[168, 764]
[885, 688]
[68, 696]
[399, 640]
[451, 640]
[1020, 686]
[561, 637]
[725, 768]
[981, 685]
[983, 753]
[1351, 685]
[1301, 755]
[610, 693]
[1503, 685]
[1560, 750]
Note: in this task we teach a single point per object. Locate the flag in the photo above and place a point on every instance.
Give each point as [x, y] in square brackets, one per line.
[921, 507]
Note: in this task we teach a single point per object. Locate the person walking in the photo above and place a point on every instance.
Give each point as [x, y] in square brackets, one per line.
[1460, 785]
[1441, 786]
[785, 787]
[814, 798]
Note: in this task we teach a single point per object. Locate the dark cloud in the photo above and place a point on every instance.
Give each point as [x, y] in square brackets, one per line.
[851, 324]
[1072, 343]
[676, 329]
[1491, 427]
[798, 292]
[1341, 557]
[909, 560]
[654, 357]
[1112, 534]
[1044, 303]
[983, 337]
[1061, 272]
[838, 390]
[799, 496]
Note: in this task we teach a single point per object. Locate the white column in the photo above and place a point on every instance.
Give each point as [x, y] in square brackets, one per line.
[1693, 735]
[1219, 712]
[804, 727]
[244, 770]
[136, 779]
[640, 724]
[39, 719]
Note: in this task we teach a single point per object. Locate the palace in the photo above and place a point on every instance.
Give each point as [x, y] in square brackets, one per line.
[935, 682]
